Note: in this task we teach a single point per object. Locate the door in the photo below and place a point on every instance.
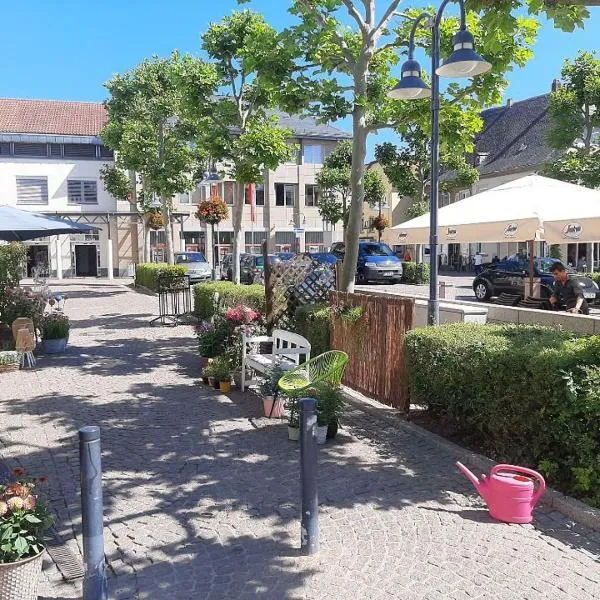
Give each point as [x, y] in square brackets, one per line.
[37, 260]
[86, 261]
[504, 278]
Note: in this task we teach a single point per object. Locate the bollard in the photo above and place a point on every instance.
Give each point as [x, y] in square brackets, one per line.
[94, 580]
[309, 541]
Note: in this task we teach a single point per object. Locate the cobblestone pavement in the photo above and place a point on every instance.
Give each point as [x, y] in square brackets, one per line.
[201, 493]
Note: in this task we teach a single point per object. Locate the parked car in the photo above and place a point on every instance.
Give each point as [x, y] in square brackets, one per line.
[226, 266]
[285, 255]
[253, 268]
[195, 264]
[323, 257]
[512, 276]
[376, 262]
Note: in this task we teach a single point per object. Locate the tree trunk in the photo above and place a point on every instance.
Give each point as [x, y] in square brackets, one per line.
[238, 241]
[166, 215]
[357, 178]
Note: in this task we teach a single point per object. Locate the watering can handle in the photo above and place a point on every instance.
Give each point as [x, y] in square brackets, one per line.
[525, 471]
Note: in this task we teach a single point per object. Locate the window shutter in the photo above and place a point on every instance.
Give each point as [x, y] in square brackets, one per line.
[82, 192]
[80, 150]
[26, 149]
[32, 190]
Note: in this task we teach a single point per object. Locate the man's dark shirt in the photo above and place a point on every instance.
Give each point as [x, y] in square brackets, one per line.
[567, 294]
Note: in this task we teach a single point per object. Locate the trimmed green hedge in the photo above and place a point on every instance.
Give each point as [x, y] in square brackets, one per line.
[415, 273]
[313, 321]
[230, 294]
[526, 395]
[146, 274]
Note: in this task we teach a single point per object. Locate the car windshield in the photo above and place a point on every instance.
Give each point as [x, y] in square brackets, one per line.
[545, 264]
[376, 250]
[259, 261]
[189, 257]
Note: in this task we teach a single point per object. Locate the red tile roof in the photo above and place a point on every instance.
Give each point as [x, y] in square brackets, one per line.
[51, 117]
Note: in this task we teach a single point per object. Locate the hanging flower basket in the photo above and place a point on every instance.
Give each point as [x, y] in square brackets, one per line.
[212, 211]
[380, 223]
[154, 220]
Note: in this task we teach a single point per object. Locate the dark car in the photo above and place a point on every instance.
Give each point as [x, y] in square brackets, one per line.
[376, 262]
[252, 267]
[285, 256]
[226, 266]
[512, 276]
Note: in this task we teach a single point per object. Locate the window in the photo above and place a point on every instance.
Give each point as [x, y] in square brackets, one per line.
[32, 190]
[185, 198]
[106, 152]
[260, 194]
[311, 195]
[5, 148]
[82, 192]
[314, 237]
[80, 150]
[23, 149]
[285, 194]
[55, 150]
[313, 154]
[285, 238]
[228, 192]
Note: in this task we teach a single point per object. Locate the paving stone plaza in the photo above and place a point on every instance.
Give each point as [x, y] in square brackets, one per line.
[202, 493]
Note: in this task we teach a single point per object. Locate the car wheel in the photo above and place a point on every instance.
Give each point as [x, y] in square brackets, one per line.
[482, 290]
[360, 278]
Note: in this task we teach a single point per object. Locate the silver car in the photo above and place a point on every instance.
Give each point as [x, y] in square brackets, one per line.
[196, 265]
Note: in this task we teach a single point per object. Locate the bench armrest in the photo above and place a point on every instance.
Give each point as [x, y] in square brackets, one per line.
[258, 338]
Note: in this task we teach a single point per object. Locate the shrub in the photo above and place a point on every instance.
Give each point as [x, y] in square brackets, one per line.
[146, 274]
[415, 273]
[313, 321]
[18, 302]
[55, 326]
[212, 338]
[12, 262]
[230, 294]
[527, 395]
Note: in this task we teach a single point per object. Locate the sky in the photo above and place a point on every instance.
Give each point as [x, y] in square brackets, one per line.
[67, 49]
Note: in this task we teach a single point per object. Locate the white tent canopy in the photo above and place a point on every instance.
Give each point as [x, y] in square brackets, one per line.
[530, 208]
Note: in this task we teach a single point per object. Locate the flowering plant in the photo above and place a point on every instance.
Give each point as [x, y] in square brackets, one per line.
[241, 315]
[212, 211]
[24, 518]
[380, 223]
[154, 219]
[55, 326]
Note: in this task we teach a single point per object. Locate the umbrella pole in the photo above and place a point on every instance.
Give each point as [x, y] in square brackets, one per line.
[530, 244]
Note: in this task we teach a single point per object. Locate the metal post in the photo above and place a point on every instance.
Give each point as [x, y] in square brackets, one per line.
[309, 541]
[94, 581]
[433, 306]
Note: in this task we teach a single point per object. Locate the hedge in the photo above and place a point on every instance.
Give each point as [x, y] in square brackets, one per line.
[230, 294]
[146, 274]
[415, 273]
[313, 321]
[524, 395]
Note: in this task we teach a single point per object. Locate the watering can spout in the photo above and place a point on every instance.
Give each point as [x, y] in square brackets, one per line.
[471, 477]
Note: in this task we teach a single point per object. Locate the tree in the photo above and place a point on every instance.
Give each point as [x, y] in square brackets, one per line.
[335, 186]
[574, 116]
[147, 128]
[249, 60]
[352, 73]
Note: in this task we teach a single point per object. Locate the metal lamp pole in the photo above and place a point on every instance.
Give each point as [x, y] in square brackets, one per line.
[463, 62]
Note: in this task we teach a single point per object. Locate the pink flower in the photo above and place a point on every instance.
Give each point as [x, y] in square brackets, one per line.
[241, 315]
[29, 503]
[15, 503]
[3, 508]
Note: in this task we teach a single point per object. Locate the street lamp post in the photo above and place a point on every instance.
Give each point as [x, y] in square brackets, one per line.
[463, 62]
[211, 178]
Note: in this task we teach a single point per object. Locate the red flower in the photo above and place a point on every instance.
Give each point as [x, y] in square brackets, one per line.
[19, 472]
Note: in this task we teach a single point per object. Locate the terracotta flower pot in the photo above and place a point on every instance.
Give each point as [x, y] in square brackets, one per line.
[273, 408]
[19, 580]
[225, 386]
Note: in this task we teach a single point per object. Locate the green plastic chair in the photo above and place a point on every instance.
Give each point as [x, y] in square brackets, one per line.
[329, 366]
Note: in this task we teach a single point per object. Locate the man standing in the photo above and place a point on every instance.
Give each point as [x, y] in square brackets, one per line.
[567, 291]
[478, 261]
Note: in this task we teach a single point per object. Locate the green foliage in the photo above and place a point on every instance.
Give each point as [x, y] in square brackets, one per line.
[526, 395]
[269, 383]
[55, 326]
[415, 273]
[221, 368]
[330, 401]
[18, 302]
[147, 274]
[555, 251]
[313, 321]
[417, 208]
[116, 182]
[213, 338]
[230, 295]
[12, 263]
[576, 166]
[24, 519]
[9, 357]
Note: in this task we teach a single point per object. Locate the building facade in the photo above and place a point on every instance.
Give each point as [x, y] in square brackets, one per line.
[51, 157]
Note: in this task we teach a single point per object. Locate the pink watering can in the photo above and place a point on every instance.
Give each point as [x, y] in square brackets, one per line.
[509, 491]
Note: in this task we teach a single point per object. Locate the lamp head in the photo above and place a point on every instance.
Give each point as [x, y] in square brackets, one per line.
[410, 86]
[464, 61]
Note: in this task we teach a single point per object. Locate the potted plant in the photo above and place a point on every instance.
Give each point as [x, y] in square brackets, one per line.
[206, 374]
[222, 373]
[329, 404]
[9, 361]
[24, 519]
[55, 329]
[293, 419]
[273, 405]
[209, 373]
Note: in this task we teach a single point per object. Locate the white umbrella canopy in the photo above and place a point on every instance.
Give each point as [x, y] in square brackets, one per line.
[529, 208]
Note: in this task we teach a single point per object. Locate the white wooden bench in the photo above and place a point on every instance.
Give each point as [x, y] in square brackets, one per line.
[288, 347]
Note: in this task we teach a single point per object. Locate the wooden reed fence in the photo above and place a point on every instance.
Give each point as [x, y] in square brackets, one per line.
[375, 343]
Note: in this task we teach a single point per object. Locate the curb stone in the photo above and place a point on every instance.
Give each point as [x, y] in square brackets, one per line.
[570, 507]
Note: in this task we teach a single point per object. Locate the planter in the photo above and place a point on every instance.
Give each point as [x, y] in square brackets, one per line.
[10, 367]
[211, 381]
[293, 433]
[273, 408]
[19, 580]
[237, 378]
[205, 380]
[216, 384]
[332, 430]
[225, 386]
[321, 433]
[54, 346]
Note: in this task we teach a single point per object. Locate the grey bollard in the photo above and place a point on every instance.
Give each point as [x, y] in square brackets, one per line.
[94, 580]
[309, 541]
